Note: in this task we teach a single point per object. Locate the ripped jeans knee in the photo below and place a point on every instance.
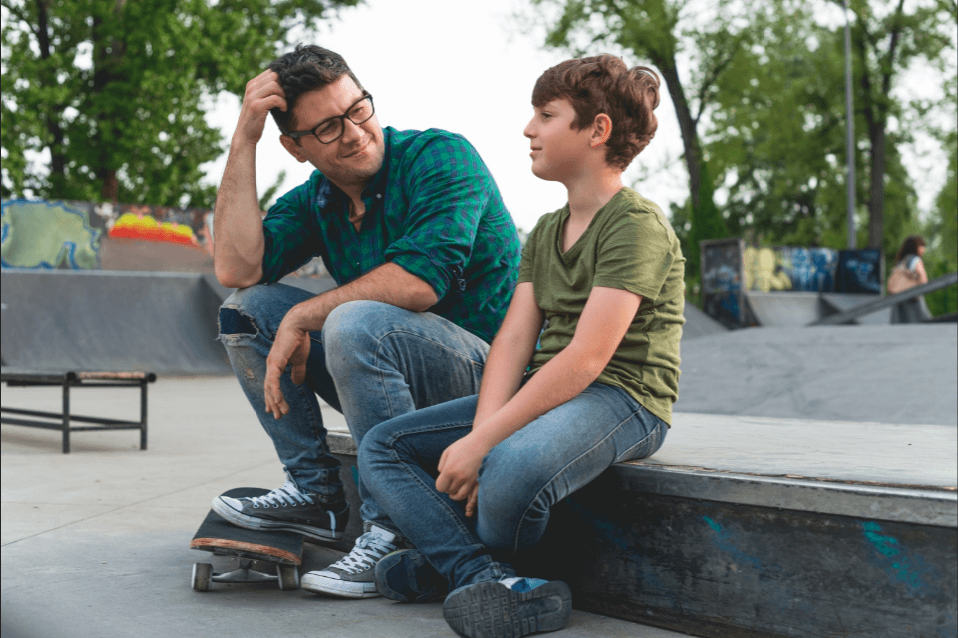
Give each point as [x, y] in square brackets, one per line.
[235, 324]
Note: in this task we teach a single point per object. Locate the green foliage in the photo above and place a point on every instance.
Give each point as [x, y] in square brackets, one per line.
[942, 235]
[115, 91]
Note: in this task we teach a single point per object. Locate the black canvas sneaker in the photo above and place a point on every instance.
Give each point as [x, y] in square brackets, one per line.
[286, 508]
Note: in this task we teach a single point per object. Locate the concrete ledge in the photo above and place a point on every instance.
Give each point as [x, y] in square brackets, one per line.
[885, 503]
[758, 532]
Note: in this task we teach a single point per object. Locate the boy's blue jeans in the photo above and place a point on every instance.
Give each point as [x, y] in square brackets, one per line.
[371, 361]
[519, 481]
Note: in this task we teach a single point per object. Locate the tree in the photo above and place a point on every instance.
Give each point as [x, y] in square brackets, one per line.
[660, 31]
[114, 92]
[887, 40]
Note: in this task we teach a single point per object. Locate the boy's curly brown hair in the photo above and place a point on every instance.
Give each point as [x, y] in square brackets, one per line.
[604, 84]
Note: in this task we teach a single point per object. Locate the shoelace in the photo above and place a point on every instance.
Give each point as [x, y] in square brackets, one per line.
[369, 548]
[286, 495]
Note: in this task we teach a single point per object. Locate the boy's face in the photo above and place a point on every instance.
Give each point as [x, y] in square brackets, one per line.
[353, 158]
[557, 148]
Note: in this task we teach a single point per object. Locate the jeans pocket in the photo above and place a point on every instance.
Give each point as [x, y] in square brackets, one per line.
[649, 434]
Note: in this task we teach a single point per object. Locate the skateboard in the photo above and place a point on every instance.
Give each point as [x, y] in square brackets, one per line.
[282, 550]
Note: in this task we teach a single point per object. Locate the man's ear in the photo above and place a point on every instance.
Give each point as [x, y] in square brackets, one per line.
[601, 130]
[292, 147]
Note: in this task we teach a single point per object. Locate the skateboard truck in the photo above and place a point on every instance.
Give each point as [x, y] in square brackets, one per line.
[286, 576]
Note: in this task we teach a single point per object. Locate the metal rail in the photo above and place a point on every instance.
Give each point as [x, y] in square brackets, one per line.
[887, 302]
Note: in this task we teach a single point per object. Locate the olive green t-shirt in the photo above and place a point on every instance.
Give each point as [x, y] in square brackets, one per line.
[629, 245]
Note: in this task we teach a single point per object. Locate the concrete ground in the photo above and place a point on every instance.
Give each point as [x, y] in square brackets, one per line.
[95, 543]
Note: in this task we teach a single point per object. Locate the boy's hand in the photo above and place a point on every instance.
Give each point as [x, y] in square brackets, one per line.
[262, 94]
[290, 347]
[459, 471]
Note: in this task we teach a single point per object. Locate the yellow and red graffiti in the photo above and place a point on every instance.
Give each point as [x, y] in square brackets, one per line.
[134, 226]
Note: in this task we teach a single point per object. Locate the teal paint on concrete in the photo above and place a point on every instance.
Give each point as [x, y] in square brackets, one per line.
[726, 541]
[905, 568]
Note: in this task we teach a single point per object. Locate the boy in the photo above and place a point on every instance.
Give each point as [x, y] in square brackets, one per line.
[605, 272]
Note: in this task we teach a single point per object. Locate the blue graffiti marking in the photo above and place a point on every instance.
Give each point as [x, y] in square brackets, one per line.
[355, 475]
[725, 540]
[905, 569]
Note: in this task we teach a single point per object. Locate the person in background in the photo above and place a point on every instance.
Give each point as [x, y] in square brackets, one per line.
[909, 272]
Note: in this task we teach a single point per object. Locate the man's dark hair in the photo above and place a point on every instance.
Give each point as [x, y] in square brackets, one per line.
[604, 84]
[307, 68]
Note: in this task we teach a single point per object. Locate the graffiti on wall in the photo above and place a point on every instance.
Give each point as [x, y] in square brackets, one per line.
[770, 268]
[40, 234]
[724, 282]
[71, 234]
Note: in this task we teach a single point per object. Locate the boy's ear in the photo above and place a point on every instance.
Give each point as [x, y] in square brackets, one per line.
[292, 147]
[601, 130]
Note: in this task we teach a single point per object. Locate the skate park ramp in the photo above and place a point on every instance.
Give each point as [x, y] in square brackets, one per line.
[698, 324]
[98, 320]
[117, 320]
[904, 374]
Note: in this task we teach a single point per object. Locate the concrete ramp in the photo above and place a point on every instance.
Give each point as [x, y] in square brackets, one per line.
[904, 374]
[98, 320]
[698, 324]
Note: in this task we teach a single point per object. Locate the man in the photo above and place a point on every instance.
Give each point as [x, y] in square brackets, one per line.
[412, 227]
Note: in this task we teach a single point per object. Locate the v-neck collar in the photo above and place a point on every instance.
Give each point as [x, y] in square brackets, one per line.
[568, 257]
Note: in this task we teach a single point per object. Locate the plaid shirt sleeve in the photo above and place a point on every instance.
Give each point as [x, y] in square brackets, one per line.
[290, 237]
[448, 189]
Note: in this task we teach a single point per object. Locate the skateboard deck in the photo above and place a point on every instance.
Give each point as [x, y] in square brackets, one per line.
[281, 549]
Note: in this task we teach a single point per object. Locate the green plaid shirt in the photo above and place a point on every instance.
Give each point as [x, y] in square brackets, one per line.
[433, 208]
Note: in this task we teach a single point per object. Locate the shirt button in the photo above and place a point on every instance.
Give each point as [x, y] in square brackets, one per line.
[379, 196]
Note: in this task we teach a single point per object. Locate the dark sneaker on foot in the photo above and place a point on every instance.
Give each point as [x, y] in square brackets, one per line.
[408, 577]
[508, 608]
[286, 508]
[353, 575]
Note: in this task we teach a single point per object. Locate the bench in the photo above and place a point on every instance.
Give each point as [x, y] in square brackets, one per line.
[64, 420]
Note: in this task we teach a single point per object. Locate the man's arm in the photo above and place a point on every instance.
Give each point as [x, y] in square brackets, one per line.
[237, 225]
[388, 283]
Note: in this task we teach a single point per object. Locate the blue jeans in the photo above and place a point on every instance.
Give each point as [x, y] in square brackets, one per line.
[371, 361]
[519, 480]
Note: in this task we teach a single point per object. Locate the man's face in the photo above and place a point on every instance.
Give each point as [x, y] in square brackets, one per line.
[357, 155]
[557, 148]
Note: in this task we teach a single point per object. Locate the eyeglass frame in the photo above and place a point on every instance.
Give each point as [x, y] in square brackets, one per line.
[345, 116]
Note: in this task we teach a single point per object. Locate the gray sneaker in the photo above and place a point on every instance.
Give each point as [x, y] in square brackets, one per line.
[353, 575]
[286, 508]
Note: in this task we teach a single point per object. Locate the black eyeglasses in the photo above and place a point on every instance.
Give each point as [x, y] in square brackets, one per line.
[330, 130]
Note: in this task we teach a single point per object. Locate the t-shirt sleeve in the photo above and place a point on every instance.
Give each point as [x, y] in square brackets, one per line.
[290, 238]
[449, 188]
[527, 261]
[634, 254]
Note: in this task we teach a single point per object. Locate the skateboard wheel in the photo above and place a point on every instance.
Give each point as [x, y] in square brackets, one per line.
[202, 577]
[287, 576]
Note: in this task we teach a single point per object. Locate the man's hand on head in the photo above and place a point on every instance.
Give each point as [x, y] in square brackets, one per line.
[263, 93]
[290, 347]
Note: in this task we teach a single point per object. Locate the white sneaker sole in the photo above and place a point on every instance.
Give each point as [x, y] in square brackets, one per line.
[320, 583]
[229, 508]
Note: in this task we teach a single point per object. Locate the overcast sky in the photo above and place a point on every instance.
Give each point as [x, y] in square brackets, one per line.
[467, 68]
